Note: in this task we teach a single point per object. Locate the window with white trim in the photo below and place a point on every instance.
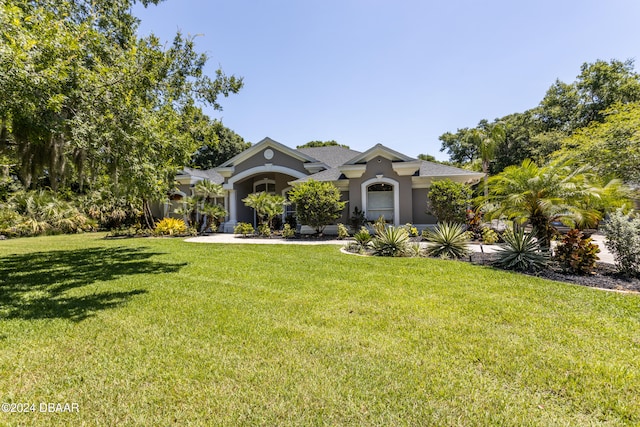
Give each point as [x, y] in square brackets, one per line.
[380, 201]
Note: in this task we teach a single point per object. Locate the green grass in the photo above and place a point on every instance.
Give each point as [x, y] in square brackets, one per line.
[164, 332]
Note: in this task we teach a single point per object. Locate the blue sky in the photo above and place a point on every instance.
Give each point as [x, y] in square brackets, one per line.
[400, 73]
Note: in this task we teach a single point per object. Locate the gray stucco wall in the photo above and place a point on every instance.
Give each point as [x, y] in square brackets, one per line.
[279, 159]
[382, 166]
[420, 206]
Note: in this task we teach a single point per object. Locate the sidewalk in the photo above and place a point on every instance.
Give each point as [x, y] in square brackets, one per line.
[605, 255]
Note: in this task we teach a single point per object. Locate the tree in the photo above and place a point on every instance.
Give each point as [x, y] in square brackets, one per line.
[612, 148]
[313, 144]
[458, 145]
[267, 206]
[487, 139]
[448, 200]
[427, 157]
[541, 196]
[86, 103]
[219, 144]
[317, 204]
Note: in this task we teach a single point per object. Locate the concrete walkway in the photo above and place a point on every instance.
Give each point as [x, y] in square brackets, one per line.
[605, 255]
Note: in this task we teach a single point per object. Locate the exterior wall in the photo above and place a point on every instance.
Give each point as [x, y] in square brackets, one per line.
[420, 206]
[279, 159]
[382, 166]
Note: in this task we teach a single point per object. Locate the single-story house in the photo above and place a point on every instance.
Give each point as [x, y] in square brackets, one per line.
[379, 181]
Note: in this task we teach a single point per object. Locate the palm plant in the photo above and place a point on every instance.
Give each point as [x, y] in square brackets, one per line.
[267, 206]
[447, 240]
[487, 141]
[214, 214]
[521, 252]
[540, 196]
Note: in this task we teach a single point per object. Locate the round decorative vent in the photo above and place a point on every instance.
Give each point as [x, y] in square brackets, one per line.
[268, 154]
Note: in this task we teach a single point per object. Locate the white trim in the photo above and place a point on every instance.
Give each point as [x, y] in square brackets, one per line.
[396, 195]
[264, 181]
[380, 150]
[260, 169]
[262, 145]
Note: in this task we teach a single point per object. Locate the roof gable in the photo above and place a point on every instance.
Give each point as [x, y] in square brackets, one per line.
[263, 144]
[382, 151]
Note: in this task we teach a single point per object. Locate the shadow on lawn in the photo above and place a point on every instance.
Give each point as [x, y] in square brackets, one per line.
[35, 285]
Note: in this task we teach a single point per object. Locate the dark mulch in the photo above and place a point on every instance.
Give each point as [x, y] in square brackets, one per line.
[606, 276]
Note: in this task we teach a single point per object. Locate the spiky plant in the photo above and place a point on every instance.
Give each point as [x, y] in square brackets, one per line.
[522, 252]
[447, 240]
[391, 241]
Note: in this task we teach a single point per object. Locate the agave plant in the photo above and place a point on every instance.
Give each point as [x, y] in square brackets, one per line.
[521, 252]
[448, 240]
[391, 241]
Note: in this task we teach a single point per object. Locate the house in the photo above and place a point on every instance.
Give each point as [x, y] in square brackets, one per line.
[380, 181]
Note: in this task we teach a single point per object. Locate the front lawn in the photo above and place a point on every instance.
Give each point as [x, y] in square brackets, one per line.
[164, 332]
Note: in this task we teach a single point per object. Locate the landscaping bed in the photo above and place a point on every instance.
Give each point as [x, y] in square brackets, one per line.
[605, 276]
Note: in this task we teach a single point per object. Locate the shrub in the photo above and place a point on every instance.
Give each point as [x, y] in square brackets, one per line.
[317, 203]
[521, 252]
[623, 240]
[264, 229]
[244, 228]
[413, 231]
[343, 232]
[448, 200]
[576, 253]
[362, 238]
[447, 240]
[391, 241]
[287, 231]
[358, 219]
[489, 236]
[170, 227]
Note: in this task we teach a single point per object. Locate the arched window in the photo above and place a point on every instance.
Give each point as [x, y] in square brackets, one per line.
[380, 202]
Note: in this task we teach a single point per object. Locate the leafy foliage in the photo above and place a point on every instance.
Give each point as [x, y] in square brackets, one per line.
[522, 252]
[358, 219]
[391, 241]
[343, 232]
[219, 145]
[87, 104]
[267, 206]
[317, 204]
[362, 238]
[623, 240]
[576, 253]
[244, 228]
[170, 227]
[447, 240]
[313, 144]
[489, 236]
[543, 195]
[448, 200]
[287, 231]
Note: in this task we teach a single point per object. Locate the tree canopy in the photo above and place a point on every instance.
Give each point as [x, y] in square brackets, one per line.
[567, 109]
[85, 102]
[313, 144]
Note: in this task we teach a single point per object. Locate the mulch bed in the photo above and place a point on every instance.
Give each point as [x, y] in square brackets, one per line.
[606, 275]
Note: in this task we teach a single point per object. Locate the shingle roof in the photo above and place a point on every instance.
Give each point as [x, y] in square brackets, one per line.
[437, 169]
[332, 174]
[331, 156]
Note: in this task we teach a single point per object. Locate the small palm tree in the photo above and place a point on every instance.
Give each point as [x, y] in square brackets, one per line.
[267, 206]
[487, 141]
[540, 196]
